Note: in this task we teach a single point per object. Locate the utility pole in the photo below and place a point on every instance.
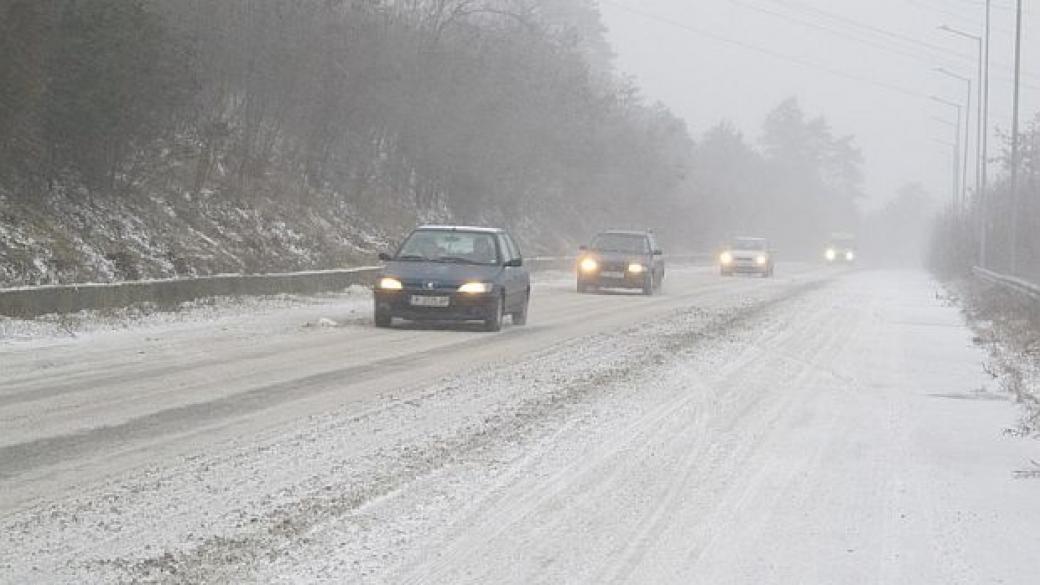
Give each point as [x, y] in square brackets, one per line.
[1014, 139]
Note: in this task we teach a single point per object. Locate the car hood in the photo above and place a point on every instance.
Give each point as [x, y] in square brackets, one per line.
[749, 252]
[440, 273]
[617, 257]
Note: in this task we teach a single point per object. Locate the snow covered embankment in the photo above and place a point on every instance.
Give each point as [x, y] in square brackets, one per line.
[1008, 324]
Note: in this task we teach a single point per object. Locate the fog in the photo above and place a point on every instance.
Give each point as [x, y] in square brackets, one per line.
[515, 291]
[275, 136]
[868, 67]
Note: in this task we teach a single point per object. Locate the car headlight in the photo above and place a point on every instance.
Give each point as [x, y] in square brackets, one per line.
[726, 258]
[476, 288]
[389, 283]
[589, 265]
[635, 268]
[850, 256]
[831, 254]
[761, 260]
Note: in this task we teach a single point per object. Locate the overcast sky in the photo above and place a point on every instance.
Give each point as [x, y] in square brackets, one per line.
[710, 60]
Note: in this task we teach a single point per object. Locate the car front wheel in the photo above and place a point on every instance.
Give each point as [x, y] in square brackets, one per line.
[494, 320]
[383, 319]
[648, 285]
[520, 317]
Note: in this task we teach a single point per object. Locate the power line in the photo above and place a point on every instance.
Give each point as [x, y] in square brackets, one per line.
[942, 51]
[874, 29]
[844, 34]
[765, 51]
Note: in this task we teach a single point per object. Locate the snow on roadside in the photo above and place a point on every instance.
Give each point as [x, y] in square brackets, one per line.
[348, 305]
[1009, 326]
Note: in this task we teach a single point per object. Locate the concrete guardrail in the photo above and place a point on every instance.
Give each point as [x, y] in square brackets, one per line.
[32, 301]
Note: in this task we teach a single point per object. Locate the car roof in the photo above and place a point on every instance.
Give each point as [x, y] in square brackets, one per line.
[461, 228]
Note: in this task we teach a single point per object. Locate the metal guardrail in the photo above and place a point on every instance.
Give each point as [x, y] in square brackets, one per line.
[1013, 283]
[32, 301]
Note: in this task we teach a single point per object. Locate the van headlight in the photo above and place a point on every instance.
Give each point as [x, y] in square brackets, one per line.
[390, 283]
[726, 258]
[761, 260]
[476, 288]
[636, 268]
[589, 265]
[831, 254]
[850, 256]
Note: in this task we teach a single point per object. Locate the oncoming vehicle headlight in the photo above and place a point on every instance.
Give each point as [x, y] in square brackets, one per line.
[761, 260]
[389, 283]
[831, 254]
[589, 265]
[635, 268]
[476, 288]
[726, 258]
[850, 256]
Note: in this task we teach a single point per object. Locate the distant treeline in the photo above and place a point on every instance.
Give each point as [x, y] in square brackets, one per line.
[476, 110]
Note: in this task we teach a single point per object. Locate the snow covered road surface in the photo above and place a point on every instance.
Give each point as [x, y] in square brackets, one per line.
[820, 428]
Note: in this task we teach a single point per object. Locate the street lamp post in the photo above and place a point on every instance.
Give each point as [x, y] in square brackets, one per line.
[956, 153]
[956, 165]
[967, 135]
[1014, 139]
[956, 157]
[981, 115]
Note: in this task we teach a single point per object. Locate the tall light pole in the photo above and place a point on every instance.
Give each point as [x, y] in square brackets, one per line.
[1014, 139]
[967, 134]
[956, 165]
[956, 155]
[984, 197]
[979, 130]
[954, 148]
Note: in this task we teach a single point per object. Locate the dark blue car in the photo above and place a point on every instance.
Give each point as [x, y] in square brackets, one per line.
[453, 273]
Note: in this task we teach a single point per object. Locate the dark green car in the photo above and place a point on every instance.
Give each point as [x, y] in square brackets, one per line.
[621, 259]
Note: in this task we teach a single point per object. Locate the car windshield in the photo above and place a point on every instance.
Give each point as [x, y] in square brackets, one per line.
[627, 243]
[748, 244]
[450, 246]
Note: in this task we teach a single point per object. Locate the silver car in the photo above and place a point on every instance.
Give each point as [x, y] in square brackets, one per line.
[746, 255]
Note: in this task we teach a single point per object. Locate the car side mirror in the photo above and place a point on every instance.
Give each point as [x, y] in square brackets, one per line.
[658, 253]
[515, 263]
[385, 257]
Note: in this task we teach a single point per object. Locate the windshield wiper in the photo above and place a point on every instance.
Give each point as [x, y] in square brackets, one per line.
[456, 259]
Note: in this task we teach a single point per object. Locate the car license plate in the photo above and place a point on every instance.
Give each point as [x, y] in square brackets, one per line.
[612, 274]
[422, 301]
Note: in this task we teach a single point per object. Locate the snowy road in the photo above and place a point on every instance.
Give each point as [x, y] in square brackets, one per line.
[821, 427]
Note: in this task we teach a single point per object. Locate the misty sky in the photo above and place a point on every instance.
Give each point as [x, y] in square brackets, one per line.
[892, 45]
